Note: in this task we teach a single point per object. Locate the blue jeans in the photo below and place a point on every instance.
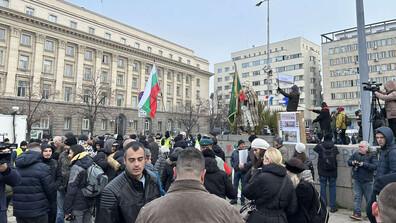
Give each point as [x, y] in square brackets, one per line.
[323, 187]
[359, 189]
[237, 177]
[60, 215]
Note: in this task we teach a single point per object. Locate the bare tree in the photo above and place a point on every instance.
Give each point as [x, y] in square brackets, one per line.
[218, 112]
[95, 95]
[188, 114]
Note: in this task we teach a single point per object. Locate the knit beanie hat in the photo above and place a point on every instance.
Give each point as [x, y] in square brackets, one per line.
[294, 88]
[69, 135]
[295, 165]
[278, 140]
[23, 143]
[251, 138]
[44, 146]
[260, 144]
[240, 142]
[71, 141]
[300, 147]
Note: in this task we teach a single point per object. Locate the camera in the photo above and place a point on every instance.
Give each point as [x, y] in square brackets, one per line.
[70, 218]
[356, 166]
[371, 86]
[5, 156]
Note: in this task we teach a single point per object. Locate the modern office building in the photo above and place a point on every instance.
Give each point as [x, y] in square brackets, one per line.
[340, 63]
[297, 57]
[54, 51]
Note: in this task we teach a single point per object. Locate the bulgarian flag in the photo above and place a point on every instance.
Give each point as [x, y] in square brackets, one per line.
[237, 96]
[149, 99]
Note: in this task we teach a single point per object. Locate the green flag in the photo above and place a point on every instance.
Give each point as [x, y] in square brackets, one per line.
[237, 96]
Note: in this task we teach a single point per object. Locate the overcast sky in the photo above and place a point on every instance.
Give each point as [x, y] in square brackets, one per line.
[216, 28]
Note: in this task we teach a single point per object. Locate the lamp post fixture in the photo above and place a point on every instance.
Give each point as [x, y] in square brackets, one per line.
[269, 71]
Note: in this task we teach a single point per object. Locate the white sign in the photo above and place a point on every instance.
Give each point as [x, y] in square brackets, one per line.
[142, 113]
[289, 128]
[288, 79]
[243, 154]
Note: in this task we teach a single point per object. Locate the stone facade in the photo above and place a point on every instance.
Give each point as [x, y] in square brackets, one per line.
[59, 48]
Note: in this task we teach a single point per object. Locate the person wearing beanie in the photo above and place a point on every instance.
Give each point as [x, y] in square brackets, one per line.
[294, 98]
[166, 140]
[76, 203]
[259, 146]
[327, 169]
[239, 173]
[69, 135]
[304, 189]
[271, 182]
[70, 141]
[323, 118]
[23, 147]
[299, 153]
[341, 125]
[83, 141]
[278, 144]
[56, 173]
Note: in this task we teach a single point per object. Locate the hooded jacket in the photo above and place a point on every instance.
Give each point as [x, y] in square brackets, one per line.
[218, 152]
[294, 98]
[323, 118]
[56, 172]
[387, 159]
[217, 181]
[74, 199]
[10, 177]
[340, 123]
[167, 175]
[319, 148]
[36, 190]
[263, 188]
[390, 98]
[111, 171]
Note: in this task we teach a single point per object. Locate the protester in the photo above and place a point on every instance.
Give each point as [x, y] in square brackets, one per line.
[154, 149]
[249, 162]
[323, 118]
[217, 149]
[207, 144]
[278, 144]
[22, 148]
[387, 160]
[341, 125]
[160, 164]
[149, 166]
[259, 146]
[294, 98]
[59, 146]
[327, 169]
[389, 96]
[384, 209]
[239, 173]
[187, 196]
[167, 177]
[110, 147]
[10, 176]
[32, 197]
[334, 126]
[124, 196]
[271, 190]
[299, 153]
[166, 140]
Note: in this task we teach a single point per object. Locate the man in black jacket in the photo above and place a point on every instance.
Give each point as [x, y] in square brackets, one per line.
[239, 173]
[294, 98]
[126, 194]
[323, 118]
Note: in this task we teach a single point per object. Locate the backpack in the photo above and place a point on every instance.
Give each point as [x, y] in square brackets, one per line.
[348, 121]
[329, 159]
[96, 181]
[318, 212]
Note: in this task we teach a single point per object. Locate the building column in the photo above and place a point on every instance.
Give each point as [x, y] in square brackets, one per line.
[38, 64]
[13, 61]
[80, 70]
[113, 79]
[60, 70]
[128, 82]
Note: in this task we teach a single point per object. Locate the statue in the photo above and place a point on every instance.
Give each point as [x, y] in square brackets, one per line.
[250, 108]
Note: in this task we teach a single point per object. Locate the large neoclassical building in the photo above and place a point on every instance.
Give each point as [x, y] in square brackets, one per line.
[53, 51]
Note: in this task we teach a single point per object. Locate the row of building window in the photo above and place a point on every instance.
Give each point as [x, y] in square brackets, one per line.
[256, 54]
[369, 44]
[351, 83]
[345, 95]
[370, 56]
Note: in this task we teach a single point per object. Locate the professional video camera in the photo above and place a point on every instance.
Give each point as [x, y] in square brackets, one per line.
[371, 86]
[5, 152]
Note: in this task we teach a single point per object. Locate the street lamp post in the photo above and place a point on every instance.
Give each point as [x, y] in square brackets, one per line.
[15, 110]
[269, 71]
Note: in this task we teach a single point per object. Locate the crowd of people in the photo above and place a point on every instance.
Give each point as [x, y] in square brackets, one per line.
[46, 180]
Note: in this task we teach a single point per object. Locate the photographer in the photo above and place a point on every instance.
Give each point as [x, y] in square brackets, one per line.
[389, 96]
[363, 163]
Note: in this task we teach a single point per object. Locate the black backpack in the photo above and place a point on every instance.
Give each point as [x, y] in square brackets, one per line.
[329, 159]
[318, 212]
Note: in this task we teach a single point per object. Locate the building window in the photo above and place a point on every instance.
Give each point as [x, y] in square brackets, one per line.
[2, 34]
[87, 74]
[331, 50]
[135, 125]
[220, 79]
[67, 123]
[134, 82]
[48, 66]
[1, 58]
[67, 96]
[198, 82]
[134, 101]
[178, 76]
[46, 91]
[227, 87]
[68, 70]
[160, 53]
[25, 40]
[107, 36]
[120, 62]
[23, 62]
[137, 45]
[178, 90]
[70, 51]
[257, 62]
[120, 98]
[49, 45]
[103, 78]
[147, 70]
[104, 124]
[52, 18]
[168, 89]
[85, 124]
[180, 59]
[169, 75]
[256, 73]
[219, 70]
[123, 41]
[88, 55]
[29, 11]
[219, 88]
[73, 25]
[187, 92]
[187, 78]
[188, 62]
[120, 80]
[22, 88]
[134, 66]
[159, 126]
[227, 78]
[149, 49]
[170, 56]
[86, 97]
[256, 83]
[244, 65]
[105, 59]
[91, 30]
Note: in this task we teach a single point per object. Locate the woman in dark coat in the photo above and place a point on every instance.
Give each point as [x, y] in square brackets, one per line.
[264, 188]
[217, 181]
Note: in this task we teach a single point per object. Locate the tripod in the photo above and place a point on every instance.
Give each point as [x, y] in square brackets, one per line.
[377, 118]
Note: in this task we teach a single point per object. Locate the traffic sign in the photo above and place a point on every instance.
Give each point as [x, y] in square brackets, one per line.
[142, 113]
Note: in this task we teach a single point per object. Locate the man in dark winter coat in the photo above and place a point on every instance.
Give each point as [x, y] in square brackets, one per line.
[239, 173]
[124, 196]
[294, 98]
[387, 159]
[217, 149]
[217, 181]
[37, 190]
[76, 204]
[327, 169]
[56, 173]
[10, 176]
[323, 118]
[364, 163]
